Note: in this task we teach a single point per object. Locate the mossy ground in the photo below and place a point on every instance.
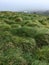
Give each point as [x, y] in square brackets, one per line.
[24, 39]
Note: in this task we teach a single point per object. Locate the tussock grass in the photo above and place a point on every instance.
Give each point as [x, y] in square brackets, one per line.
[24, 39]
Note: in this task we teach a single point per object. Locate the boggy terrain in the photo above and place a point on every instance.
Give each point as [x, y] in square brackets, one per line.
[24, 39]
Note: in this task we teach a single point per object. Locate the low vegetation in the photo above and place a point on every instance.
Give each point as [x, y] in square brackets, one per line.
[24, 39]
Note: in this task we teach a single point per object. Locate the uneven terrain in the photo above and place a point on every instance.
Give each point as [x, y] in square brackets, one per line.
[24, 39]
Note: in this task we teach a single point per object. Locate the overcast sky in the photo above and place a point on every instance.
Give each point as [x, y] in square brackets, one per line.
[19, 5]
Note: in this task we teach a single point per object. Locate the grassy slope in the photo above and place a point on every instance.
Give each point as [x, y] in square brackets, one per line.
[24, 39]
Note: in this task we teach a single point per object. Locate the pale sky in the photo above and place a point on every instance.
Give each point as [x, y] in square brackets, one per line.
[19, 5]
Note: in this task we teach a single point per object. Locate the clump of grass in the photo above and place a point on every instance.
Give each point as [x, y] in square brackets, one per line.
[19, 19]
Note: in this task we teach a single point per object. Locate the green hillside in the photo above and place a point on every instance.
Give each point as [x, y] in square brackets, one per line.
[24, 39]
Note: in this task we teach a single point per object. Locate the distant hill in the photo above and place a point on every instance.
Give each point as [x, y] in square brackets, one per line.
[43, 12]
[38, 12]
